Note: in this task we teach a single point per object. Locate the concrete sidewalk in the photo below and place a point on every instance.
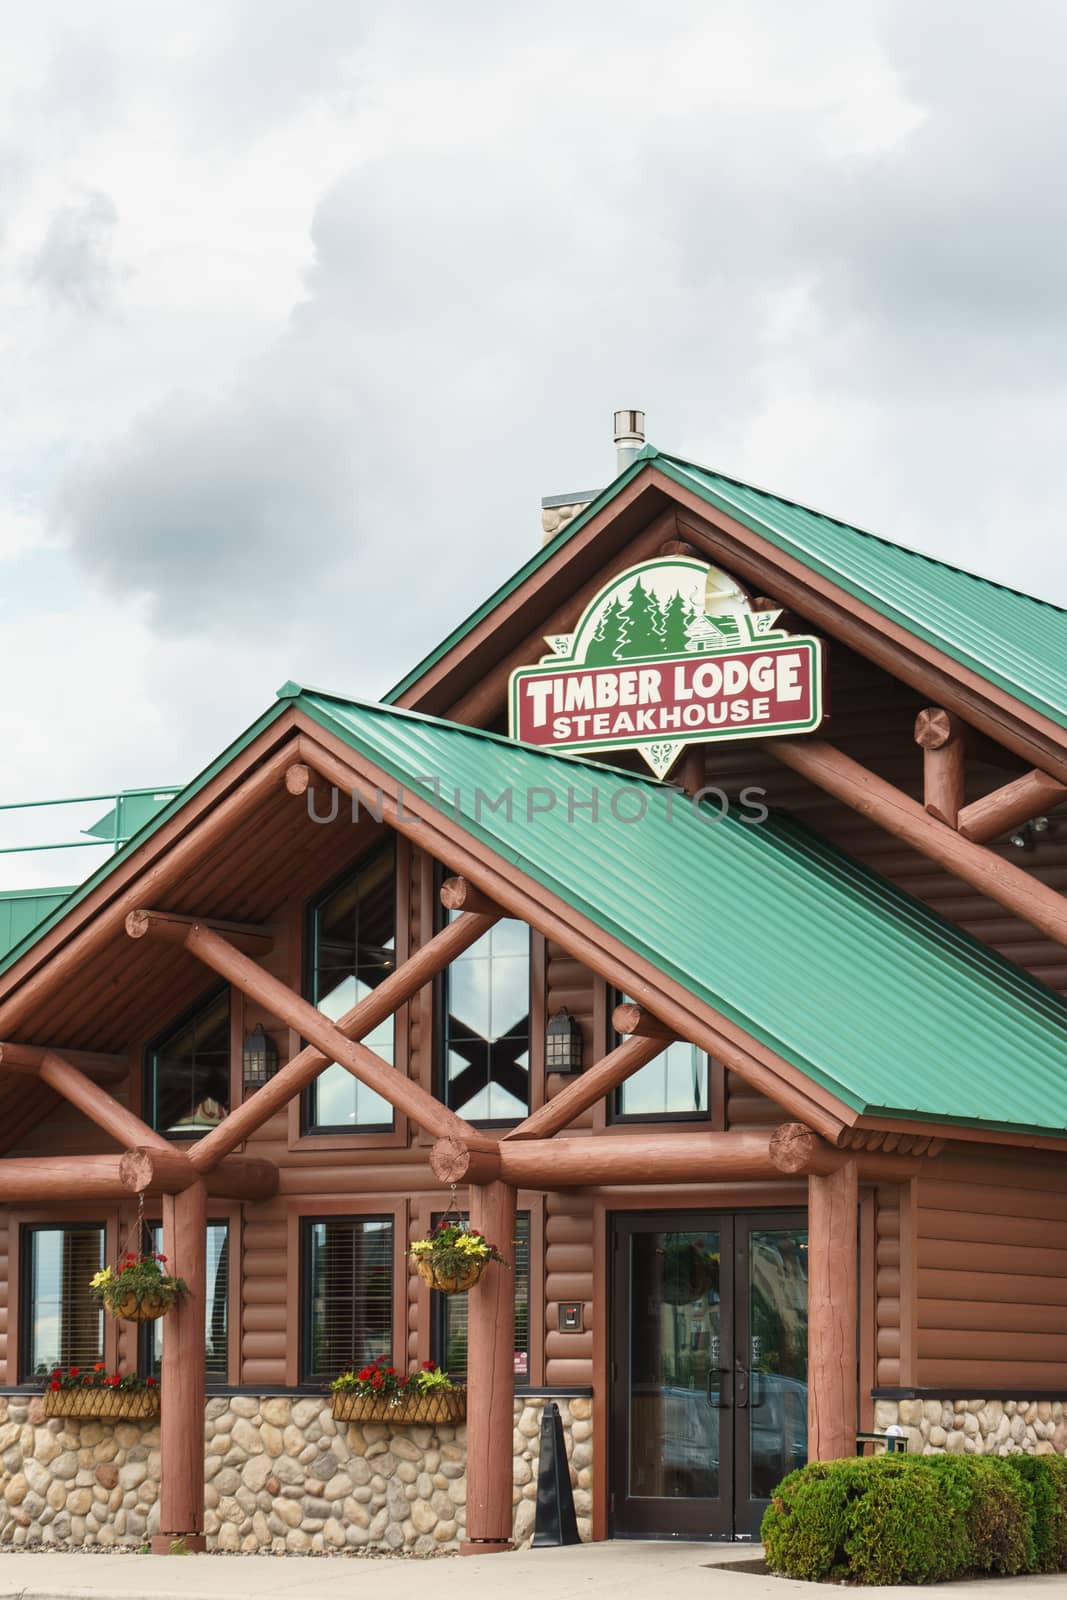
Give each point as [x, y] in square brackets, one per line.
[622, 1570]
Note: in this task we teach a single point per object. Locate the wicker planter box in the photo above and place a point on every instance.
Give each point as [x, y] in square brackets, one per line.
[440, 1405]
[100, 1405]
[465, 1279]
[143, 1308]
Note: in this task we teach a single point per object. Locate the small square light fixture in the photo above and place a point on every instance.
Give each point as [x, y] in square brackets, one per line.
[563, 1043]
[259, 1059]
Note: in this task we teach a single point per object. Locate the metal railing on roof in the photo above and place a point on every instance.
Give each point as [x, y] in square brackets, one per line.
[130, 810]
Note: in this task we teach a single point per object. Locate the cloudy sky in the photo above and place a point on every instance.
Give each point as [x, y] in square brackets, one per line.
[304, 304]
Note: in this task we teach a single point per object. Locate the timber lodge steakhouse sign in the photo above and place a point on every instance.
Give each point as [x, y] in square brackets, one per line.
[668, 654]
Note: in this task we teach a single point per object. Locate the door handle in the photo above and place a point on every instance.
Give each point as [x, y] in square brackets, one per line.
[718, 1398]
[741, 1387]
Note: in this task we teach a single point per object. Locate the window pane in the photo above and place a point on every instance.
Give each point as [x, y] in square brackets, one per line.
[452, 1343]
[487, 1026]
[189, 1071]
[353, 947]
[672, 1084]
[216, 1307]
[64, 1325]
[348, 1264]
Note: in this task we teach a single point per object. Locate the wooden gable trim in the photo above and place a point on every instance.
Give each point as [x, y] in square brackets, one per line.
[544, 604]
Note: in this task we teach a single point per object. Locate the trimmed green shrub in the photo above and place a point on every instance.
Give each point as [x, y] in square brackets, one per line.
[918, 1519]
[1046, 1478]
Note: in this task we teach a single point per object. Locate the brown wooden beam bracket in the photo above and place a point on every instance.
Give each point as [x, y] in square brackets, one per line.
[298, 778]
[94, 1102]
[459, 894]
[170, 1171]
[942, 738]
[584, 1091]
[174, 928]
[94, 1064]
[401, 1092]
[631, 1019]
[1017, 802]
[830, 769]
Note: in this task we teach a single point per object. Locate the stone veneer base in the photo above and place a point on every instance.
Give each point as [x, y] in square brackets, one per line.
[977, 1427]
[281, 1476]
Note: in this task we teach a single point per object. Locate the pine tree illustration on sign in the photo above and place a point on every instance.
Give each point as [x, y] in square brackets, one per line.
[675, 618]
[640, 632]
[605, 638]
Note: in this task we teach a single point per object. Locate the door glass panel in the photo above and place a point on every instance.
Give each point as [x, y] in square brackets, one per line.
[675, 1356]
[778, 1356]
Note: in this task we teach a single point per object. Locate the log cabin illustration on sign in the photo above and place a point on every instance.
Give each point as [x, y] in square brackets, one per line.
[357, 1106]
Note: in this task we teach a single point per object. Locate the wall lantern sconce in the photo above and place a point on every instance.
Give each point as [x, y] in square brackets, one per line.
[259, 1059]
[563, 1044]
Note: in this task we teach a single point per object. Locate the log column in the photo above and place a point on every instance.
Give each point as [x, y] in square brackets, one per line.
[833, 1217]
[491, 1377]
[181, 1493]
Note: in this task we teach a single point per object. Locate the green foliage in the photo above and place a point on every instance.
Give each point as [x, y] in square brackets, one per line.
[137, 1278]
[919, 1519]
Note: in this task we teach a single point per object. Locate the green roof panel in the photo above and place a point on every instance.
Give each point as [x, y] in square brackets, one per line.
[21, 910]
[860, 986]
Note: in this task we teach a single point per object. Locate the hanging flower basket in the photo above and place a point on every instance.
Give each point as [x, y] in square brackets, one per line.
[454, 1257]
[378, 1393]
[689, 1272]
[98, 1395]
[138, 1289]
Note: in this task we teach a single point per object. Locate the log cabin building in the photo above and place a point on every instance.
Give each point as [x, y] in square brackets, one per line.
[730, 998]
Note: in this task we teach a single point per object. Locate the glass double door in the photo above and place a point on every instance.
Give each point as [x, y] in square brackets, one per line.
[709, 1369]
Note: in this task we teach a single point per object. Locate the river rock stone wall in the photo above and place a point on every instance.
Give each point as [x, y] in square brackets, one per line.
[977, 1427]
[281, 1476]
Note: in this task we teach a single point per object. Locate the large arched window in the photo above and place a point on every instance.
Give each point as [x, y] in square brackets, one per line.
[187, 1088]
[351, 948]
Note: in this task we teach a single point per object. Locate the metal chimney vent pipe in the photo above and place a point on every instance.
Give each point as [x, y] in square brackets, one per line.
[629, 436]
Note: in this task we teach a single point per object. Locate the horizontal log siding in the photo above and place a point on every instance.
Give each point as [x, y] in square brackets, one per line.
[991, 1254]
[887, 1285]
[568, 1276]
[268, 1281]
[568, 983]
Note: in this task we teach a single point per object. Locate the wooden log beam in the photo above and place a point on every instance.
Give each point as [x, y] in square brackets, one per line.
[401, 1092]
[451, 1161]
[173, 928]
[459, 894]
[298, 778]
[585, 1090]
[830, 769]
[630, 1019]
[86, 1096]
[213, 829]
[170, 1171]
[52, 1179]
[833, 1221]
[419, 969]
[95, 1064]
[942, 737]
[583, 1161]
[1017, 802]
[491, 1362]
[181, 1393]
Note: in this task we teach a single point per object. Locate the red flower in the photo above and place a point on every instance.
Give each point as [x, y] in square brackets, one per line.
[114, 1381]
[54, 1385]
[429, 1366]
[99, 1367]
[151, 1382]
[74, 1371]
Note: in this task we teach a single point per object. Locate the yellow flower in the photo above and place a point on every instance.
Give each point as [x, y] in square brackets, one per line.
[98, 1280]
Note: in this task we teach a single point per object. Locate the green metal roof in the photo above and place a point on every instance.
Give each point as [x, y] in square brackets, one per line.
[22, 909]
[1008, 638]
[860, 986]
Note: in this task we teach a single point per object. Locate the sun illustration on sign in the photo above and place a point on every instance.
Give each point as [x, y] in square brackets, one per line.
[667, 607]
[667, 653]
